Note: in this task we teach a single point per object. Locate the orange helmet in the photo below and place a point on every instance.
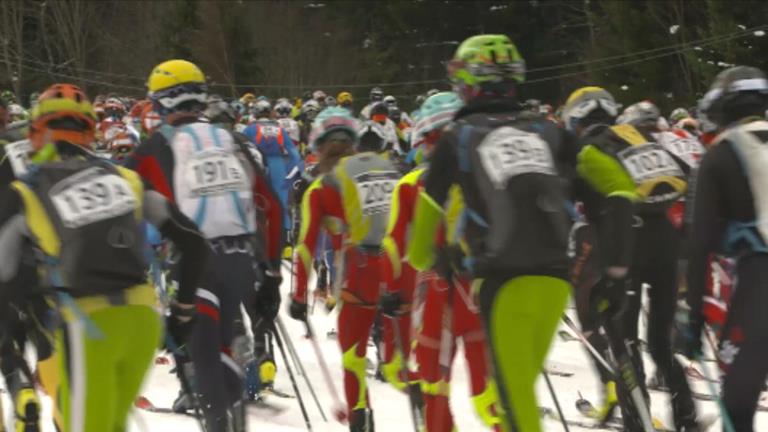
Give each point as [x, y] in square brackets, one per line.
[122, 144]
[63, 113]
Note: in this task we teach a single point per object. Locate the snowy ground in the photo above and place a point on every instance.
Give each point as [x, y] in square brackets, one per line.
[391, 410]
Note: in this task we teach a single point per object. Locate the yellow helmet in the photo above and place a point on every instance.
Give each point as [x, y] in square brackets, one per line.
[247, 98]
[586, 100]
[172, 73]
[174, 83]
[344, 97]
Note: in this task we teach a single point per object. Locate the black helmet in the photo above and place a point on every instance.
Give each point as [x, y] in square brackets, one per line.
[737, 93]
[395, 114]
[379, 108]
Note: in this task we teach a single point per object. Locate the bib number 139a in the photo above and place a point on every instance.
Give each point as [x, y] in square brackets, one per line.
[508, 152]
[93, 200]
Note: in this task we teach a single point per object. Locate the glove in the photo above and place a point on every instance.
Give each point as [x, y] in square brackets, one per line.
[267, 301]
[298, 310]
[180, 321]
[390, 304]
[609, 295]
[449, 260]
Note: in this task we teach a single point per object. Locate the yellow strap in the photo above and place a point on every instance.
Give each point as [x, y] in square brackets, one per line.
[629, 134]
[38, 222]
[138, 189]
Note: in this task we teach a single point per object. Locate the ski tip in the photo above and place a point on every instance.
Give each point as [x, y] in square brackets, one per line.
[142, 402]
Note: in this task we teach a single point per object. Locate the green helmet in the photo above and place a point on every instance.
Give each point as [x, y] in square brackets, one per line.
[486, 58]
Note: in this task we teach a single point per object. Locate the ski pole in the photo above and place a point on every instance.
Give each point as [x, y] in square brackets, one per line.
[404, 371]
[569, 322]
[280, 346]
[554, 399]
[292, 353]
[727, 421]
[339, 411]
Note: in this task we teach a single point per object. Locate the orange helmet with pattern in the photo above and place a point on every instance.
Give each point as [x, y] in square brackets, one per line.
[63, 113]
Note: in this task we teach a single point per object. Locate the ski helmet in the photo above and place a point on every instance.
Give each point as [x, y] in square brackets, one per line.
[588, 102]
[344, 98]
[643, 113]
[283, 108]
[261, 109]
[736, 93]
[177, 85]
[486, 64]
[679, 114]
[332, 119]
[390, 100]
[219, 111]
[376, 94]
[436, 112]
[371, 137]
[330, 101]
[63, 113]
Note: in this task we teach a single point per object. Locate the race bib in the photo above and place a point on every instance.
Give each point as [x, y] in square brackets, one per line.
[270, 130]
[508, 152]
[374, 190]
[647, 162]
[18, 155]
[215, 172]
[689, 150]
[93, 199]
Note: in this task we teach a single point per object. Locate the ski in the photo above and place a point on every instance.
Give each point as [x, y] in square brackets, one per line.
[588, 410]
[549, 413]
[275, 392]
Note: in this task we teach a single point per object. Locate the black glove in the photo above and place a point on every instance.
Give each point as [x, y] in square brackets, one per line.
[449, 261]
[609, 295]
[179, 323]
[267, 301]
[297, 310]
[390, 304]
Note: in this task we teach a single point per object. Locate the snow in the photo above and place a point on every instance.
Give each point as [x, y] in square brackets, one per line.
[759, 33]
[673, 29]
[391, 410]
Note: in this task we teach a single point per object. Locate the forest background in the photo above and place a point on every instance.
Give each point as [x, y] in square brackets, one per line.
[667, 51]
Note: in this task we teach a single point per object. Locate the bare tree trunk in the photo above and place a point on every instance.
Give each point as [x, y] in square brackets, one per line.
[11, 34]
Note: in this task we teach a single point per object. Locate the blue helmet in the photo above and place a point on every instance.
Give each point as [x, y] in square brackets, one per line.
[436, 112]
[330, 120]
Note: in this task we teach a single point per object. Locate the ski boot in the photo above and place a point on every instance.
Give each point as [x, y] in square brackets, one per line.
[361, 420]
[604, 413]
[183, 403]
[267, 372]
[27, 410]
[252, 381]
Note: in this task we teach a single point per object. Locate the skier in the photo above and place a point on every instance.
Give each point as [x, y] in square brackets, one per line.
[357, 193]
[632, 242]
[504, 161]
[436, 113]
[283, 109]
[262, 303]
[375, 96]
[282, 158]
[84, 215]
[203, 168]
[345, 100]
[729, 211]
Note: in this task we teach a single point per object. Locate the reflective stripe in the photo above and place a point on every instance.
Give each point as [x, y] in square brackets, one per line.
[233, 194]
[202, 205]
[208, 296]
[76, 373]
